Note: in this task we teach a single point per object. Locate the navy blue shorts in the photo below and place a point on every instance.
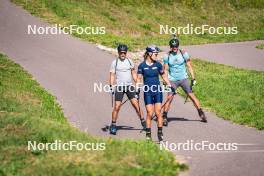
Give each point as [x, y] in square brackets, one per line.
[153, 98]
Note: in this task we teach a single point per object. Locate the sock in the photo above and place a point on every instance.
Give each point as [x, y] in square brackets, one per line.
[159, 129]
[165, 114]
[113, 122]
[148, 130]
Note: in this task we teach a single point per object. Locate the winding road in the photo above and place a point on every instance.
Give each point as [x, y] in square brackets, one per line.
[68, 68]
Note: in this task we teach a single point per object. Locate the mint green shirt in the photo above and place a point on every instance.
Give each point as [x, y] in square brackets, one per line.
[177, 65]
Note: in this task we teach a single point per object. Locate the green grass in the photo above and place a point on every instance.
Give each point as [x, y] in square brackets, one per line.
[233, 94]
[260, 46]
[30, 113]
[136, 23]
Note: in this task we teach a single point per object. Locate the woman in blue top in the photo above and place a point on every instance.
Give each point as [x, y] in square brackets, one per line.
[150, 70]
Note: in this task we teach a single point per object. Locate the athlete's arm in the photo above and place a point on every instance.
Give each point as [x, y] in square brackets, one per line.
[190, 68]
[112, 78]
[165, 78]
[138, 81]
[166, 69]
[163, 74]
[139, 78]
[112, 73]
[134, 75]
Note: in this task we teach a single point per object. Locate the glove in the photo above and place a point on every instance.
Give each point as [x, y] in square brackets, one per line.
[193, 82]
[137, 93]
[172, 89]
[112, 90]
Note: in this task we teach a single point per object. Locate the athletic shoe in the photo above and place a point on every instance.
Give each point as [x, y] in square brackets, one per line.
[160, 136]
[113, 129]
[148, 136]
[202, 115]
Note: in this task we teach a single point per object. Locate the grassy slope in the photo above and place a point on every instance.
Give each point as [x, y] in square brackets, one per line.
[234, 94]
[137, 22]
[29, 113]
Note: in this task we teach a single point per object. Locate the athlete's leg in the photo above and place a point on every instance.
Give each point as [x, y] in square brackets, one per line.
[157, 105]
[186, 87]
[135, 104]
[159, 120]
[113, 127]
[118, 100]
[119, 94]
[168, 102]
[195, 101]
[158, 114]
[132, 96]
[198, 107]
[150, 112]
[116, 110]
[170, 96]
[134, 100]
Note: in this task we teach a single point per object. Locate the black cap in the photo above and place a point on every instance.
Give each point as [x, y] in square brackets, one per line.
[174, 43]
[122, 47]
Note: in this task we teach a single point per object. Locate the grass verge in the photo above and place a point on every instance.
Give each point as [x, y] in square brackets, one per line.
[260, 46]
[233, 94]
[29, 113]
[137, 23]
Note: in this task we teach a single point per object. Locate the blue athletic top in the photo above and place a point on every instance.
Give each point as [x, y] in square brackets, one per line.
[151, 74]
[177, 68]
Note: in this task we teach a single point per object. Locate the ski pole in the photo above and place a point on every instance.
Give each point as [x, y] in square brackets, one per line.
[124, 102]
[128, 99]
[112, 99]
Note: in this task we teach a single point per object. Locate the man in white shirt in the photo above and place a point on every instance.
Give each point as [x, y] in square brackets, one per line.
[123, 72]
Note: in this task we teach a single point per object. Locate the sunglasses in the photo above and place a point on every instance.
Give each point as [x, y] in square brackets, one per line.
[122, 53]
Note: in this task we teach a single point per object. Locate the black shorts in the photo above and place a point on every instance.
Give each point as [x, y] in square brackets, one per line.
[130, 91]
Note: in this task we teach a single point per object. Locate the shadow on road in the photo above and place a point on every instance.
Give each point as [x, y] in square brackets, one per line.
[181, 119]
[121, 127]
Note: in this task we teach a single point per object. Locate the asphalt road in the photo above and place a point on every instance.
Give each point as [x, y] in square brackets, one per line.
[68, 68]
